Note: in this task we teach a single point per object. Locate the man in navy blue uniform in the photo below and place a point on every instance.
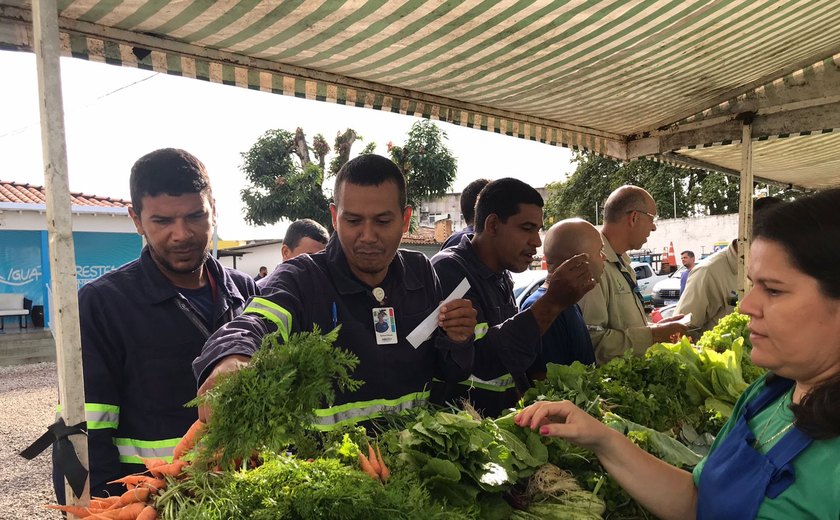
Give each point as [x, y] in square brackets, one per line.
[144, 323]
[359, 274]
[567, 340]
[467, 202]
[508, 220]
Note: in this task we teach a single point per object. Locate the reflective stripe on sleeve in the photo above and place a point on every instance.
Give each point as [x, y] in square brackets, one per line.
[481, 329]
[327, 419]
[132, 451]
[273, 313]
[499, 384]
[99, 416]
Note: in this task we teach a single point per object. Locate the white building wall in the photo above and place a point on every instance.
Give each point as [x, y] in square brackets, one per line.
[99, 221]
[698, 234]
[268, 255]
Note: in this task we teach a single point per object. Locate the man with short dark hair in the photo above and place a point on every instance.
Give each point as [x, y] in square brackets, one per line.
[144, 323]
[688, 261]
[304, 236]
[468, 198]
[261, 274]
[360, 273]
[508, 221]
[614, 311]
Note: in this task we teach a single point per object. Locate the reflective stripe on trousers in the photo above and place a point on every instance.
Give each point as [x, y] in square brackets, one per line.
[273, 313]
[132, 451]
[349, 413]
[99, 416]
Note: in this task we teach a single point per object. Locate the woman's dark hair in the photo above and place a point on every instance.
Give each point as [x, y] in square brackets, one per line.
[809, 231]
[502, 197]
[167, 171]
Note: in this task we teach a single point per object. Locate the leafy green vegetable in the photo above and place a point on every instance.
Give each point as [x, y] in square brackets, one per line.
[289, 488]
[269, 404]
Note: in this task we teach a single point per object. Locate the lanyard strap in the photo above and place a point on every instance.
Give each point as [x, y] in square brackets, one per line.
[633, 286]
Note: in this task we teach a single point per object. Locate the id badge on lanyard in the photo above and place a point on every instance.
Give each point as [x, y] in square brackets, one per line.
[384, 325]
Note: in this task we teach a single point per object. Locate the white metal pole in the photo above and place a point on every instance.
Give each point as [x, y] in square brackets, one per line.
[745, 209]
[65, 320]
[675, 197]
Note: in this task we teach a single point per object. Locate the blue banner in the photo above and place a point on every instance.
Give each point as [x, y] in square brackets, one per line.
[24, 258]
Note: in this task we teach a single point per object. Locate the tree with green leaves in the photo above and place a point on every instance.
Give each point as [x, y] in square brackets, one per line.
[693, 191]
[428, 165]
[285, 182]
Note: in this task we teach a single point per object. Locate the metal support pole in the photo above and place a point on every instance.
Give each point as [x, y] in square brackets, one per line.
[745, 209]
[65, 320]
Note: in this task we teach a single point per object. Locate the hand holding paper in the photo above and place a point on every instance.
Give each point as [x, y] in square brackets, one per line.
[424, 331]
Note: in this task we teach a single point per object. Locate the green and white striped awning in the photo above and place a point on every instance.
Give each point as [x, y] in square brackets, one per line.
[621, 78]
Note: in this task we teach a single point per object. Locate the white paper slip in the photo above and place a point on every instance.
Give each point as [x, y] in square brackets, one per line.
[423, 331]
[685, 320]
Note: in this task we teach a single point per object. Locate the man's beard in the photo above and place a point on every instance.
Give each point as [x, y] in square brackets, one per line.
[172, 269]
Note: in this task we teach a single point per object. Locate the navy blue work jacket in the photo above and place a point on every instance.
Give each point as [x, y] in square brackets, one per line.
[306, 288]
[507, 341]
[139, 339]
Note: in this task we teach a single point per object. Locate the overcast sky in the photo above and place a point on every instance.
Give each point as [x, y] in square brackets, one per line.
[114, 115]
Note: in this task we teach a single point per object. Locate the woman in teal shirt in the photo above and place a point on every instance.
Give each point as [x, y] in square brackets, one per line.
[778, 457]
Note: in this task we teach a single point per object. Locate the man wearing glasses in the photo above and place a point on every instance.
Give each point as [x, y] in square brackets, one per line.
[614, 310]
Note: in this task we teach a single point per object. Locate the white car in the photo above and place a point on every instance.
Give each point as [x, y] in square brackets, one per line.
[646, 278]
[667, 291]
[525, 283]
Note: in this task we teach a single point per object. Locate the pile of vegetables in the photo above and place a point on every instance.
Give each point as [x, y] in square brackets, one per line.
[259, 458]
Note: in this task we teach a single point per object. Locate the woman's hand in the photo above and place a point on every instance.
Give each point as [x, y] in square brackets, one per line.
[564, 419]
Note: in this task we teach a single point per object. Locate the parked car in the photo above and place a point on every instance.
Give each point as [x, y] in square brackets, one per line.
[667, 291]
[646, 278]
[525, 283]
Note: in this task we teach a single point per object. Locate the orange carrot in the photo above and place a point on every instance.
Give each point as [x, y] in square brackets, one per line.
[149, 513]
[131, 496]
[385, 473]
[132, 481]
[169, 470]
[188, 440]
[128, 512]
[153, 463]
[374, 462]
[364, 463]
[104, 503]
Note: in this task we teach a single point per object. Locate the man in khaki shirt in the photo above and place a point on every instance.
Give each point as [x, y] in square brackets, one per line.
[613, 311]
[710, 291]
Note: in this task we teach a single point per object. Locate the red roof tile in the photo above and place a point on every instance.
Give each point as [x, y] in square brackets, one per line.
[27, 194]
[421, 236]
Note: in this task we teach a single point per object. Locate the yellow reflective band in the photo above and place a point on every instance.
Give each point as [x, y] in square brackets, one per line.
[481, 329]
[327, 419]
[99, 416]
[133, 451]
[273, 313]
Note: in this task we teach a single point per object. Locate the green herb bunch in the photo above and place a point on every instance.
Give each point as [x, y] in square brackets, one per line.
[269, 404]
[285, 487]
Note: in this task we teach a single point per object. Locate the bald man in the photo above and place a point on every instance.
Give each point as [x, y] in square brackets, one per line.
[567, 340]
[614, 310]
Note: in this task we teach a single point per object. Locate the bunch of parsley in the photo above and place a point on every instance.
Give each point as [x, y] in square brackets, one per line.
[269, 404]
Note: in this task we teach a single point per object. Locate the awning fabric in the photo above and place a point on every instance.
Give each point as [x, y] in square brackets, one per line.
[620, 78]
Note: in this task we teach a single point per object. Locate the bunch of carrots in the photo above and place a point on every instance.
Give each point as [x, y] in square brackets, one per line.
[137, 502]
[374, 465]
